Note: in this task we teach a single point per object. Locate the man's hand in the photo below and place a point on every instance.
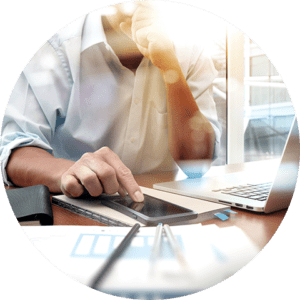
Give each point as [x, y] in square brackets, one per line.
[146, 29]
[190, 134]
[98, 172]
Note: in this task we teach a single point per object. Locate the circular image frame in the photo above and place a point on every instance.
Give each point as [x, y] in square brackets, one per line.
[264, 262]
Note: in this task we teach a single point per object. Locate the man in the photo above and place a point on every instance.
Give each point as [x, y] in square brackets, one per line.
[87, 114]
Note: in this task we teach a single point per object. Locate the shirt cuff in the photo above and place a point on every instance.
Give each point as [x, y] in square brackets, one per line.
[17, 140]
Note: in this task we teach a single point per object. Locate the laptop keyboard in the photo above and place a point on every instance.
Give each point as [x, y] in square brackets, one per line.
[257, 192]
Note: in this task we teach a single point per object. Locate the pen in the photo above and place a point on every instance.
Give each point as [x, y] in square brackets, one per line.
[155, 251]
[175, 247]
[157, 242]
[115, 255]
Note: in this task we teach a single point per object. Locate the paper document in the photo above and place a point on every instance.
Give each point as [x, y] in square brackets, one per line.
[212, 255]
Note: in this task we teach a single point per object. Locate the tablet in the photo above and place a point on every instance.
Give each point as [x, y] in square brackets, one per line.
[151, 211]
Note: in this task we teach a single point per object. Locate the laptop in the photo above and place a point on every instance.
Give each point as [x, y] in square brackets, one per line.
[262, 191]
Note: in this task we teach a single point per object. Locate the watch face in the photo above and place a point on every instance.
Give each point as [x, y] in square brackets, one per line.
[145, 78]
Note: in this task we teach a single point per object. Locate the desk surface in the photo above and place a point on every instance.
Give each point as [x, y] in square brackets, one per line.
[259, 227]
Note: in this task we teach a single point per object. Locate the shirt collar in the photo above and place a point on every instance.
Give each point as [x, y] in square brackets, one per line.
[92, 31]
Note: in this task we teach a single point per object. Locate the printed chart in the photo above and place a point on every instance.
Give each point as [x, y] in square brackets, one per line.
[101, 245]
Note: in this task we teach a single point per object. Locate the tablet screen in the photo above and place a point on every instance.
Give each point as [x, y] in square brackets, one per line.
[151, 207]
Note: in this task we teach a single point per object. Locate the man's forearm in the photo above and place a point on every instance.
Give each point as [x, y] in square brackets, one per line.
[29, 166]
[191, 136]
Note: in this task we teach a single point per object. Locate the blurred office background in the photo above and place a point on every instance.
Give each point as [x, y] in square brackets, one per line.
[267, 111]
[253, 104]
[268, 108]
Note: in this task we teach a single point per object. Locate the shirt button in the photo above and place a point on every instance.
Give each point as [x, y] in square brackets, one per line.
[136, 100]
[132, 140]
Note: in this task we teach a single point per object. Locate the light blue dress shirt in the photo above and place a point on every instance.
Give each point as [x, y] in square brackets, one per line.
[75, 96]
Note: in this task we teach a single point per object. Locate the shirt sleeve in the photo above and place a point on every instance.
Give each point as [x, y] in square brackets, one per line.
[39, 96]
[200, 76]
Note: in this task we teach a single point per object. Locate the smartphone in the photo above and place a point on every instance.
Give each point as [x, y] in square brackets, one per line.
[151, 211]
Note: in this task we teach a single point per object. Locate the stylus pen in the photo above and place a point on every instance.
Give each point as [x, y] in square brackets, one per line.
[114, 256]
[175, 247]
[157, 243]
[155, 250]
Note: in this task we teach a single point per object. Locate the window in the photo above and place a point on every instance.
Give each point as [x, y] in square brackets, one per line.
[260, 111]
[268, 108]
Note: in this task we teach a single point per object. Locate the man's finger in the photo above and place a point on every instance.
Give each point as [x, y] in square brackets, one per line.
[122, 192]
[142, 36]
[126, 28]
[106, 174]
[89, 179]
[124, 175]
[144, 51]
[71, 187]
[143, 23]
[126, 178]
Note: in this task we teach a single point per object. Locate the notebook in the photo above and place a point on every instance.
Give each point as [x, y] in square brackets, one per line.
[263, 190]
[31, 205]
[93, 208]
